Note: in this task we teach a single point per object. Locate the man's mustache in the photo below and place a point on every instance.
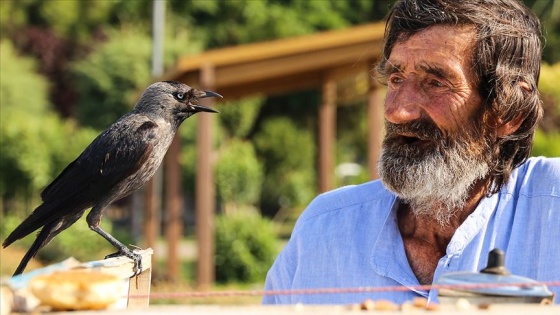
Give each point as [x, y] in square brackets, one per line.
[421, 129]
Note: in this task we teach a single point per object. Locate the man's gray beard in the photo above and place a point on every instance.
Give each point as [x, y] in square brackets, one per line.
[435, 185]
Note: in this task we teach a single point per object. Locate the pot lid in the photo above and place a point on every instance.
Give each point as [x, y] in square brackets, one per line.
[495, 279]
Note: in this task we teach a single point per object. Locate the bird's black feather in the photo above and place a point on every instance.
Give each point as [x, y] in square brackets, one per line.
[116, 163]
[108, 160]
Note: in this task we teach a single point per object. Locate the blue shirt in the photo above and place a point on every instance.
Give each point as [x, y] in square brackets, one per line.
[349, 238]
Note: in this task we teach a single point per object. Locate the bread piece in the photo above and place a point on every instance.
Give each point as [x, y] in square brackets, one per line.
[77, 290]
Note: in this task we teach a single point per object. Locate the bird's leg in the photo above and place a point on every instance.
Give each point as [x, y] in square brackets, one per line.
[93, 220]
[122, 249]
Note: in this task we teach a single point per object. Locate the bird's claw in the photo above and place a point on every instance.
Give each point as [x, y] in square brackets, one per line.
[136, 258]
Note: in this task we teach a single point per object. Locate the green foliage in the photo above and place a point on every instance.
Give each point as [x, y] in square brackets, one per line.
[35, 144]
[72, 19]
[548, 82]
[547, 138]
[21, 87]
[239, 174]
[546, 144]
[225, 23]
[246, 246]
[35, 149]
[110, 78]
[289, 156]
[238, 117]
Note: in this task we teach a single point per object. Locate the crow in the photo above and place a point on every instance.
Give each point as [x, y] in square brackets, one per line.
[118, 162]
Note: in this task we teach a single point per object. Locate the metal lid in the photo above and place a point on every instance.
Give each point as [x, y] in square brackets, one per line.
[495, 279]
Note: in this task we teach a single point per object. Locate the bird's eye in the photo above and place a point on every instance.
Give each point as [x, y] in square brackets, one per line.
[179, 96]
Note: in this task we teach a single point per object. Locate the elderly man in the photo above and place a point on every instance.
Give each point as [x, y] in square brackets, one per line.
[456, 178]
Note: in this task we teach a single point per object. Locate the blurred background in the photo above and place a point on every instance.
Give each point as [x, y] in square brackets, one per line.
[71, 68]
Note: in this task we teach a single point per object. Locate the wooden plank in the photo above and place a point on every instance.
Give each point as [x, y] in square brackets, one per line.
[327, 135]
[286, 65]
[173, 213]
[250, 53]
[139, 290]
[205, 191]
[376, 129]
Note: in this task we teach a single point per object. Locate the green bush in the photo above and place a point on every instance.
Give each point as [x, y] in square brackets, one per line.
[246, 246]
[35, 143]
[238, 117]
[288, 153]
[110, 78]
[546, 144]
[239, 174]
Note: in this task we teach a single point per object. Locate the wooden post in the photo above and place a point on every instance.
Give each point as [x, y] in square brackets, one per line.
[376, 127]
[327, 135]
[151, 212]
[174, 206]
[205, 188]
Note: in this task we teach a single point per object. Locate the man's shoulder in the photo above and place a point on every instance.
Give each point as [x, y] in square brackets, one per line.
[348, 197]
[538, 176]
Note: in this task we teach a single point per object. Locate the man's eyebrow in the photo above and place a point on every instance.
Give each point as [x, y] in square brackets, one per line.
[437, 71]
[391, 68]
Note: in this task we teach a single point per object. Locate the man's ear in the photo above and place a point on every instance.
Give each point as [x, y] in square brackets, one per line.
[511, 126]
[508, 128]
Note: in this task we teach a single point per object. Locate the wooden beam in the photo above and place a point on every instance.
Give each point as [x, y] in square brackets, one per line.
[376, 129]
[327, 135]
[174, 206]
[205, 187]
[369, 33]
[151, 212]
[274, 86]
[283, 84]
[293, 64]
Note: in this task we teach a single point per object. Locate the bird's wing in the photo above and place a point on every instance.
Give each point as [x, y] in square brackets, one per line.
[111, 157]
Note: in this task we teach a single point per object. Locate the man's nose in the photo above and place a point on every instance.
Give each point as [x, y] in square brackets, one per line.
[404, 103]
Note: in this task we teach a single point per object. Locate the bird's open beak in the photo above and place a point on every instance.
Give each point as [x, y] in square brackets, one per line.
[204, 94]
[200, 108]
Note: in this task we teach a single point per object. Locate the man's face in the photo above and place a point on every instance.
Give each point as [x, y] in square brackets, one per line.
[435, 148]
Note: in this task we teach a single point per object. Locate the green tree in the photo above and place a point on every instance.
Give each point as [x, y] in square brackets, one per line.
[288, 152]
[246, 247]
[111, 77]
[35, 144]
[547, 137]
[237, 118]
[239, 176]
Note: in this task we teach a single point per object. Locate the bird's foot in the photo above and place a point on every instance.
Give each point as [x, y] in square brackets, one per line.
[137, 258]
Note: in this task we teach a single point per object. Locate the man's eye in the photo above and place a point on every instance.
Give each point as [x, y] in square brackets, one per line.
[395, 80]
[436, 83]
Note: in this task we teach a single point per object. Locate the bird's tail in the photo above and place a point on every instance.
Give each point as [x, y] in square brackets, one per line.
[43, 237]
[41, 216]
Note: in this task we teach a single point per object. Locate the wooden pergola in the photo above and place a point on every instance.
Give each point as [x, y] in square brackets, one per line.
[271, 68]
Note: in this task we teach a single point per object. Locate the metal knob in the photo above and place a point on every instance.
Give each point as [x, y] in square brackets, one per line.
[496, 263]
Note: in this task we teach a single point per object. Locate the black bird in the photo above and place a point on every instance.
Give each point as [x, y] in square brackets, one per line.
[118, 162]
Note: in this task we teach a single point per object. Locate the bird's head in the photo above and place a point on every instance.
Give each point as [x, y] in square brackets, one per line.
[173, 101]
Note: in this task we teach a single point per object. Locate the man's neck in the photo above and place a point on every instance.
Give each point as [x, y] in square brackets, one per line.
[426, 239]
